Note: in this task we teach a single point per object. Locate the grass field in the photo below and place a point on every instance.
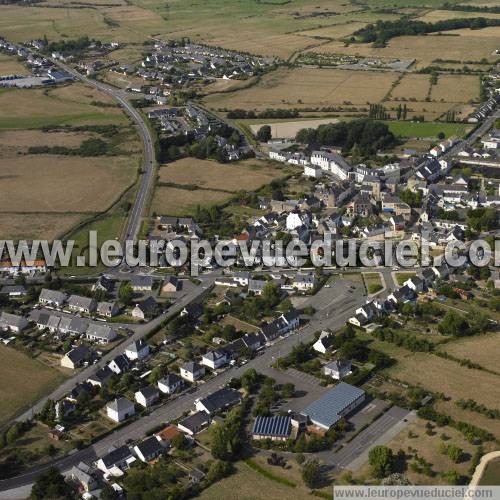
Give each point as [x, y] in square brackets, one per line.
[31, 183]
[218, 183]
[491, 475]
[442, 375]
[288, 129]
[482, 349]
[308, 87]
[55, 193]
[246, 175]
[24, 381]
[427, 129]
[467, 45]
[428, 447]
[373, 282]
[10, 66]
[35, 108]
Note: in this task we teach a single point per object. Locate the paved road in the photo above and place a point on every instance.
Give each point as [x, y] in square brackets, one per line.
[133, 223]
[174, 408]
[352, 451]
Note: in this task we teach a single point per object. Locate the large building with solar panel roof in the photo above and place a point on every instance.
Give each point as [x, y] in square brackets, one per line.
[277, 428]
[334, 404]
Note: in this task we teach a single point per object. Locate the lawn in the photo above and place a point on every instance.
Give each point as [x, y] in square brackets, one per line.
[373, 282]
[24, 381]
[402, 277]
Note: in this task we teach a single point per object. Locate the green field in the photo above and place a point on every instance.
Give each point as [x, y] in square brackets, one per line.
[427, 129]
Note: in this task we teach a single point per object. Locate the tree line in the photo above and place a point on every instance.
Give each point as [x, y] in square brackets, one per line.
[382, 31]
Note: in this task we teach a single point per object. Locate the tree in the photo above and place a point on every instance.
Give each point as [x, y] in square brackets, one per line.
[311, 474]
[288, 390]
[51, 485]
[250, 380]
[441, 136]
[264, 133]
[218, 442]
[453, 324]
[381, 461]
[125, 293]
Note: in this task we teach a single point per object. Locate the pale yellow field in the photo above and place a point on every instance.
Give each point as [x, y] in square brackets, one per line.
[456, 88]
[469, 45]
[289, 129]
[335, 32]
[13, 141]
[430, 110]
[484, 350]
[44, 183]
[9, 65]
[412, 86]
[246, 175]
[433, 16]
[304, 87]
[16, 226]
[442, 375]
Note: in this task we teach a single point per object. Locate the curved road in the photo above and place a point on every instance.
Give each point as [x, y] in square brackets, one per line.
[146, 180]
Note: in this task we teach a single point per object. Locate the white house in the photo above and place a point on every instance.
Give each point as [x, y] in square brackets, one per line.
[138, 349]
[170, 383]
[82, 304]
[51, 297]
[147, 396]
[214, 359]
[324, 342]
[120, 409]
[304, 282]
[100, 333]
[337, 369]
[116, 461]
[192, 371]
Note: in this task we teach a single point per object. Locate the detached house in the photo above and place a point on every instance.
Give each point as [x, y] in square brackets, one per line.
[149, 449]
[337, 369]
[141, 283]
[324, 342]
[76, 357]
[120, 409]
[116, 461]
[170, 383]
[194, 423]
[147, 396]
[304, 282]
[415, 283]
[214, 359]
[107, 309]
[284, 324]
[192, 371]
[120, 364]
[219, 400]
[137, 350]
[146, 309]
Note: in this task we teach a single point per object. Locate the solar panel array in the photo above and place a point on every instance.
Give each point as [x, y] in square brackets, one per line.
[278, 426]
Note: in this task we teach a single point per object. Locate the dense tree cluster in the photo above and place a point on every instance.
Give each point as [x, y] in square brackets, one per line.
[382, 31]
[367, 135]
